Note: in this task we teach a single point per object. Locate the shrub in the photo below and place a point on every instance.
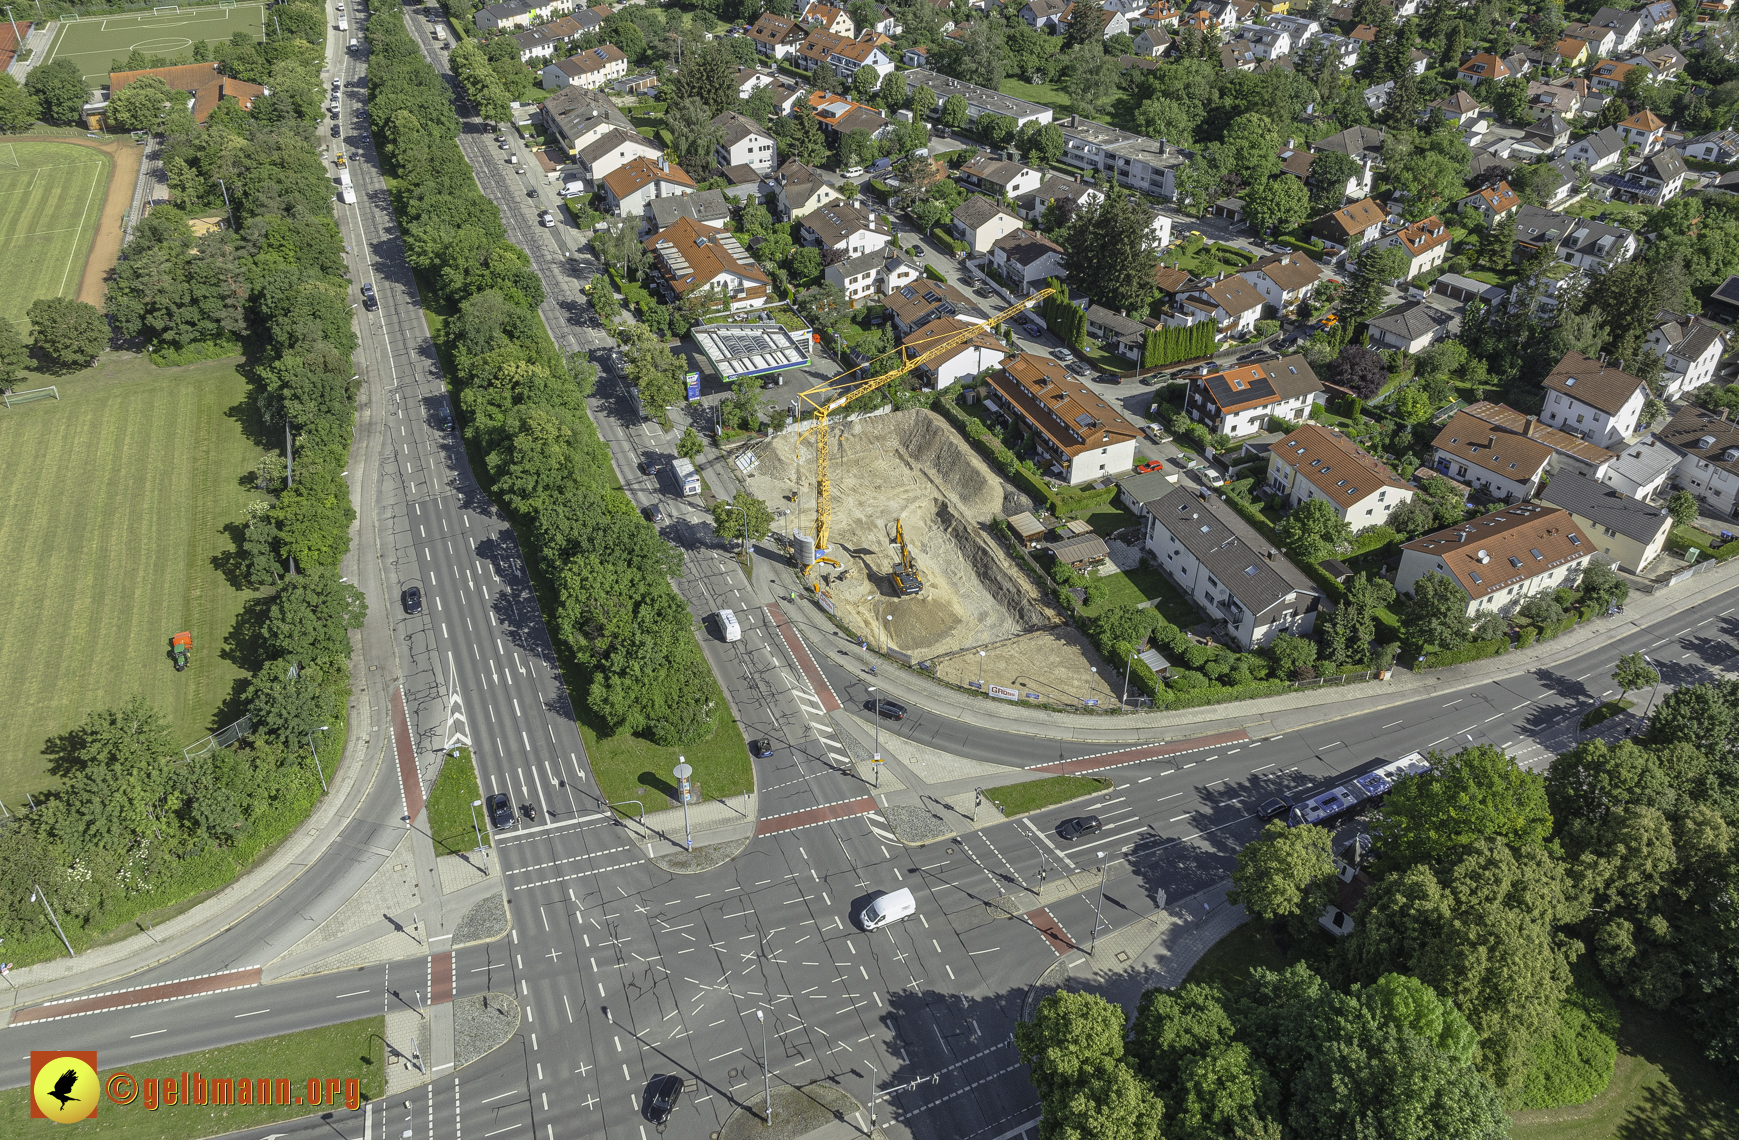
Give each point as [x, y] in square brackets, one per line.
[1526, 636]
[1472, 651]
[933, 273]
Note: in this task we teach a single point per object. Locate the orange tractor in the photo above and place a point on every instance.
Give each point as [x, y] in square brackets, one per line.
[179, 647]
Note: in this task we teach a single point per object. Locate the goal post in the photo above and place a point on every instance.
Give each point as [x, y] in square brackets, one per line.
[14, 398]
[226, 3]
[167, 10]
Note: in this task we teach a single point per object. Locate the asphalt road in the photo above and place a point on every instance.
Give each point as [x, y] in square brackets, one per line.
[624, 971]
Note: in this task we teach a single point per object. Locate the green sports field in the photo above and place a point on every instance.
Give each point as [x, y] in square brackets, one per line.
[97, 41]
[112, 540]
[51, 195]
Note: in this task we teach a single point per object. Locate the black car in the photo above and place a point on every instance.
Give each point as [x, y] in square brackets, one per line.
[892, 710]
[760, 749]
[655, 515]
[1079, 828]
[647, 467]
[531, 193]
[444, 418]
[335, 131]
[1273, 809]
[369, 300]
[500, 812]
[661, 1097]
[413, 599]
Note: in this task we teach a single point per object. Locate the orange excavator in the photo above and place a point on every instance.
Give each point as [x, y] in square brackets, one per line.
[179, 647]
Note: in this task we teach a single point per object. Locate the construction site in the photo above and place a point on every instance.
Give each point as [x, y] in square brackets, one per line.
[954, 589]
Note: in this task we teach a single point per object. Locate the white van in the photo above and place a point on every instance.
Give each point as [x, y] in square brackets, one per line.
[888, 908]
[728, 627]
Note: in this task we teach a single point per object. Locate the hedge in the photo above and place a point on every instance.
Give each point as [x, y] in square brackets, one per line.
[933, 273]
[948, 240]
[1472, 651]
[1526, 637]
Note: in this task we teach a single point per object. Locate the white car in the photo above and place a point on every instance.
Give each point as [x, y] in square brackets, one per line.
[888, 908]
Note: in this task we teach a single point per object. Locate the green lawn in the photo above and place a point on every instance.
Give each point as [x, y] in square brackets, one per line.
[1143, 584]
[1683, 538]
[1045, 94]
[124, 499]
[451, 822]
[1604, 713]
[634, 768]
[51, 195]
[349, 1050]
[1018, 799]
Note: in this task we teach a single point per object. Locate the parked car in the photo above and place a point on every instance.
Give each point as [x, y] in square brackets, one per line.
[890, 710]
[500, 812]
[413, 599]
[1062, 354]
[532, 193]
[1076, 367]
[1033, 328]
[760, 749]
[1150, 465]
[1079, 827]
[335, 131]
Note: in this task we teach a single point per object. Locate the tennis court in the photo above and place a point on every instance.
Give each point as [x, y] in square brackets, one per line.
[97, 41]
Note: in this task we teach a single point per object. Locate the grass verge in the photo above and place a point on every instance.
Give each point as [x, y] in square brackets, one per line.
[125, 497]
[1605, 712]
[350, 1050]
[451, 823]
[1018, 799]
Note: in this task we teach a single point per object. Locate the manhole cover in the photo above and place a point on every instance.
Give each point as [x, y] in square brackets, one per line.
[1122, 956]
[735, 1073]
[950, 850]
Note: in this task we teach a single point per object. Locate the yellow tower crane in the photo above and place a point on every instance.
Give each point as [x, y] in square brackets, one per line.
[831, 396]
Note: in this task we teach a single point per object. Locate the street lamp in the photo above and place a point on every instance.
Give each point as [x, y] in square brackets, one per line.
[1091, 681]
[1653, 689]
[876, 763]
[38, 893]
[682, 772]
[475, 804]
[227, 207]
[1127, 666]
[311, 748]
[981, 670]
[1099, 908]
[766, 1066]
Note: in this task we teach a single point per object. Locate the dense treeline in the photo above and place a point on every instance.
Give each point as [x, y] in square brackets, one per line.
[524, 410]
[1506, 909]
[133, 824]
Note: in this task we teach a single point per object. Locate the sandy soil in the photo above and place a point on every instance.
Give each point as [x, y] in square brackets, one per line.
[1055, 663]
[913, 467]
[126, 156]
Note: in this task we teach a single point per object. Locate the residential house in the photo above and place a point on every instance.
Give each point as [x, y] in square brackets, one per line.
[871, 275]
[1571, 455]
[885, 23]
[1043, 15]
[979, 100]
[1302, 28]
[999, 179]
[1493, 202]
[1119, 334]
[1459, 108]
[1582, 242]
[1549, 133]
[817, 48]
[743, 184]
[1654, 181]
[1483, 68]
[1361, 144]
[631, 187]
[695, 260]
[1724, 301]
[1070, 194]
[1561, 99]
[1163, 14]
[519, 14]
[777, 37]
[204, 87]
[1361, 221]
[915, 305]
[537, 43]
[1111, 23]
[744, 142]
[844, 229]
[848, 59]
[799, 189]
[1601, 42]
[1717, 146]
[1239, 401]
[980, 223]
[1644, 131]
[1230, 572]
[1316, 462]
[1628, 27]
[1025, 259]
[1708, 446]
[1658, 17]
[1283, 280]
[1076, 432]
[1231, 303]
[1462, 290]
[1599, 402]
[916, 57]
[1502, 559]
[1641, 469]
[1342, 50]
[1412, 326]
[1608, 75]
[1503, 465]
[611, 151]
[1426, 244]
[706, 208]
[1691, 350]
[592, 68]
[750, 80]
[840, 116]
[576, 117]
[1598, 151]
[1628, 531]
[1267, 42]
[1143, 164]
[1666, 62]
[1151, 43]
[965, 360]
[1573, 52]
[826, 18]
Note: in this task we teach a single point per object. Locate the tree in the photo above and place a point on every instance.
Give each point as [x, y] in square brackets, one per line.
[1045, 145]
[1360, 369]
[1447, 502]
[923, 102]
[858, 148]
[68, 332]
[1292, 656]
[59, 88]
[14, 353]
[728, 517]
[310, 618]
[655, 371]
[893, 90]
[1286, 872]
[690, 445]
[1478, 794]
[1413, 517]
[1601, 586]
[1683, 507]
[953, 112]
[140, 105]
[1074, 1048]
[708, 75]
[1412, 405]
[1092, 78]
[691, 127]
[1276, 202]
[1348, 632]
[1314, 531]
[863, 83]
[1410, 1006]
[114, 765]
[1435, 616]
[1634, 672]
[1112, 244]
[1370, 283]
[288, 700]
[18, 108]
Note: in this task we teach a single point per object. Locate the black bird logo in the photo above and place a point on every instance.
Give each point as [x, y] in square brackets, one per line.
[63, 1087]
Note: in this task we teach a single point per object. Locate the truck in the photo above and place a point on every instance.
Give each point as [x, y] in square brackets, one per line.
[440, 34]
[686, 476]
[1357, 795]
[343, 24]
[346, 191]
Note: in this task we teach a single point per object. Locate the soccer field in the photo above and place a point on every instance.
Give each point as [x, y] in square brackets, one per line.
[51, 195]
[97, 41]
[119, 497]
